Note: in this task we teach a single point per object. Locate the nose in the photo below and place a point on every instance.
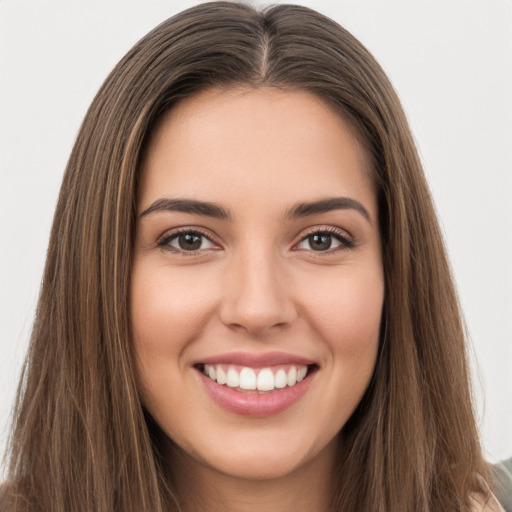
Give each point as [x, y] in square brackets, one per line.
[257, 296]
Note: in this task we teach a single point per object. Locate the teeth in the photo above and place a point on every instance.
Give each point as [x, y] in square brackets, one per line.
[280, 379]
[221, 376]
[265, 380]
[291, 378]
[233, 378]
[246, 378]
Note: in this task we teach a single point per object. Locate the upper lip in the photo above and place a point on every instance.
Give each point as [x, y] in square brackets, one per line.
[256, 360]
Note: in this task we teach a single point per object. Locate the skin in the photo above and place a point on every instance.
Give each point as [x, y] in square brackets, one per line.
[255, 285]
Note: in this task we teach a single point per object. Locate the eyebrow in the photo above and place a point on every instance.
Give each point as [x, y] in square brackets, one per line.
[327, 205]
[188, 206]
[216, 211]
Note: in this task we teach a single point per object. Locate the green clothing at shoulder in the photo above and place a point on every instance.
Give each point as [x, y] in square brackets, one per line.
[502, 473]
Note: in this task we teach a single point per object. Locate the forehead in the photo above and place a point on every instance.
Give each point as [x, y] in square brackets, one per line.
[245, 143]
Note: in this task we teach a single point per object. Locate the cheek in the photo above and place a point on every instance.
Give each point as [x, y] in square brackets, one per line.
[168, 308]
[347, 312]
[168, 312]
[347, 317]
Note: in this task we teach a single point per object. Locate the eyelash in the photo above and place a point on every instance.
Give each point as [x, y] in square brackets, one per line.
[340, 235]
[165, 240]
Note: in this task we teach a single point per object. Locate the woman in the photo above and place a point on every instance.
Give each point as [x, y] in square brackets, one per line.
[246, 303]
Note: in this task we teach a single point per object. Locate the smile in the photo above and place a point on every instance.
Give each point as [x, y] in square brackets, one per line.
[244, 378]
[256, 385]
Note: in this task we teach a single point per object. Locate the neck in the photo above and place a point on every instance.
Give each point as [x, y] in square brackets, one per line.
[200, 488]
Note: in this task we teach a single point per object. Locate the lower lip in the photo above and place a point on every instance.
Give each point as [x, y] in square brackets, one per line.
[254, 404]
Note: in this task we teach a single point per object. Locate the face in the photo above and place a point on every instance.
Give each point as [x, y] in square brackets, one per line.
[257, 283]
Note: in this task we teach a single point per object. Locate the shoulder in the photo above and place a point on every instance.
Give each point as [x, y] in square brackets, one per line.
[485, 503]
[502, 483]
[484, 500]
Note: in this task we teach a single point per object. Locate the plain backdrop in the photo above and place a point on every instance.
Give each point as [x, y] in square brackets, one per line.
[451, 63]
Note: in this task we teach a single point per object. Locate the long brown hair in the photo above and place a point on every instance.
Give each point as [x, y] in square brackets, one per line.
[81, 439]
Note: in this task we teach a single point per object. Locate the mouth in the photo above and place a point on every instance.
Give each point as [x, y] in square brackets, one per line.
[256, 386]
[246, 379]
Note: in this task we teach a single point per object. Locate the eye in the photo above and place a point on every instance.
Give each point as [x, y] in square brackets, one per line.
[325, 241]
[186, 241]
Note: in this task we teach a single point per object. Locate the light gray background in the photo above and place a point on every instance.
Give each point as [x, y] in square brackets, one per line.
[451, 62]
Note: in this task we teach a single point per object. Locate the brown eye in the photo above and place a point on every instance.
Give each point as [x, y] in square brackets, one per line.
[186, 241]
[325, 241]
[190, 241]
[320, 242]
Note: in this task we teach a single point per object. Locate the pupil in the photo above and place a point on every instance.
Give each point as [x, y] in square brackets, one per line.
[189, 241]
[320, 242]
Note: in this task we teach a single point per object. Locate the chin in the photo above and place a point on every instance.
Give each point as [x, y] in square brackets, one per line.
[260, 454]
[260, 465]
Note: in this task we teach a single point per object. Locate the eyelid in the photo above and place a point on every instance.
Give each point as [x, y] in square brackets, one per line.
[345, 238]
[163, 240]
[340, 234]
